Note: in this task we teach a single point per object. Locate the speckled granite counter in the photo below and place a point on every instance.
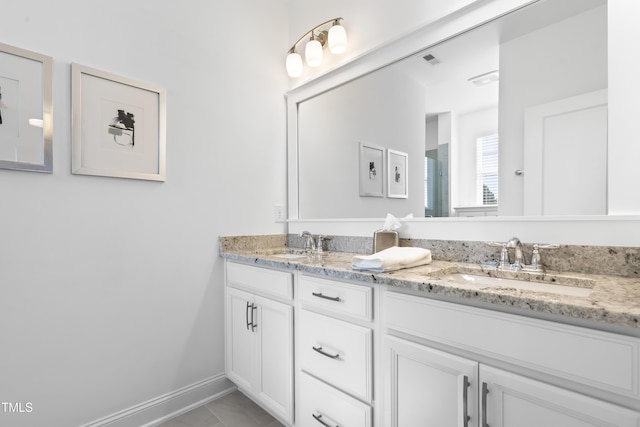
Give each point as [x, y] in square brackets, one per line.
[613, 300]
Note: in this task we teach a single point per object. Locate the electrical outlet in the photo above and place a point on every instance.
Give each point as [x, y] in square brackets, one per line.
[279, 214]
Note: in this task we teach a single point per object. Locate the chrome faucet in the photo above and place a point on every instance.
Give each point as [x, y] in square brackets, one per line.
[519, 262]
[518, 256]
[310, 242]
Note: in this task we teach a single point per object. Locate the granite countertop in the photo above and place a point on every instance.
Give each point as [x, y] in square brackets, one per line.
[613, 300]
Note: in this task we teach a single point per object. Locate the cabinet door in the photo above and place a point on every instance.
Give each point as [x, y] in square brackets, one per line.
[509, 400]
[274, 334]
[426, 387]
[240, 338]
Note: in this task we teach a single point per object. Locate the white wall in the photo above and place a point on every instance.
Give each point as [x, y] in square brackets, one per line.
[540, 67]
[111, 290]
[381, 109]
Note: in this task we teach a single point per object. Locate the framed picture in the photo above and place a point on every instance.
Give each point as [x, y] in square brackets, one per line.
[119, 126]
[371, 170]
[26, 110]
[397, 165]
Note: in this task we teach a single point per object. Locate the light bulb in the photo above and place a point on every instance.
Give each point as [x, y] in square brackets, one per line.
[294, 64]
[313, 53]
[337, 39]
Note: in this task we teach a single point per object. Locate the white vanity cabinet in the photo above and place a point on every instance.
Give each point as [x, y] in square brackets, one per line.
[435, 363]
[566, 376]
[334, 350]
[259, 335]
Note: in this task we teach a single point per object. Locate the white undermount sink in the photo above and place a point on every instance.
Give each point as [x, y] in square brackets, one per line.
[290, 256]
[554, 284]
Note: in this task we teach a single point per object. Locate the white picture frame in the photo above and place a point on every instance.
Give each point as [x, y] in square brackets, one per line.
[397, 169]
[119, 126]
[26, 110]
[371, 170]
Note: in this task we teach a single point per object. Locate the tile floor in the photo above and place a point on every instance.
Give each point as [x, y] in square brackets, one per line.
[232, 410]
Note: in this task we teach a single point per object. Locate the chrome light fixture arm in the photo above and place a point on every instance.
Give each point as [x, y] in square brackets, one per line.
[321, 36]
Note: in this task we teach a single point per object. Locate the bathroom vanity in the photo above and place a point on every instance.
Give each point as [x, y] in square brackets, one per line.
[451, 343]
[423, 347]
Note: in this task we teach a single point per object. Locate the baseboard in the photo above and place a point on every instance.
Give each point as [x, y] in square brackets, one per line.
[162, 408]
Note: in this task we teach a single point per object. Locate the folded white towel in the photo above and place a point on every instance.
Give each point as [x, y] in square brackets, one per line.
[393, 258]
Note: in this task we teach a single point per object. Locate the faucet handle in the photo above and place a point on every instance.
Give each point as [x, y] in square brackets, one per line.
[536, 259]
[320, 242]
[504, 257]
[504, 254]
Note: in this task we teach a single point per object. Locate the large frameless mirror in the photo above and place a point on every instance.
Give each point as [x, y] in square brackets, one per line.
[469, 112]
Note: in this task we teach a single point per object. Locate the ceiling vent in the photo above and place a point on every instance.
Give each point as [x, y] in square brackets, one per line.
[431, 59]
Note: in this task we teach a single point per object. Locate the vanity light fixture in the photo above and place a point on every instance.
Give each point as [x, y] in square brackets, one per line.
[331, 31]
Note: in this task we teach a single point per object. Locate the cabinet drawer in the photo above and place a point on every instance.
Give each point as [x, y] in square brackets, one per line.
[337, 297]
[262, 280]
[338, 352]
[602, 360]
[320, 403]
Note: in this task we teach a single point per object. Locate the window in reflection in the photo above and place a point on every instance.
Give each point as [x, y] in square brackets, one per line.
[487, 167]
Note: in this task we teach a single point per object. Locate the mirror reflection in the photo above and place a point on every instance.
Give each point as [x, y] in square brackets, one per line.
[505, 119]
[26, 130]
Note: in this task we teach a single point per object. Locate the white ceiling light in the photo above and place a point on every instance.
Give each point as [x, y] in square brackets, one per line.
[486, 78]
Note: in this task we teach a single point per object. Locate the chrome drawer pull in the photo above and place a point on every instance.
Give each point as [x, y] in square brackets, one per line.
[319, 419]
[319, 295]
[246, 315]
[465, 400]
[485, 391]
[253, 323]
[330, 356]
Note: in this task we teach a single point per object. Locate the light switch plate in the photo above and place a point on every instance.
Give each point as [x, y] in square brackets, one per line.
[278, 213]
